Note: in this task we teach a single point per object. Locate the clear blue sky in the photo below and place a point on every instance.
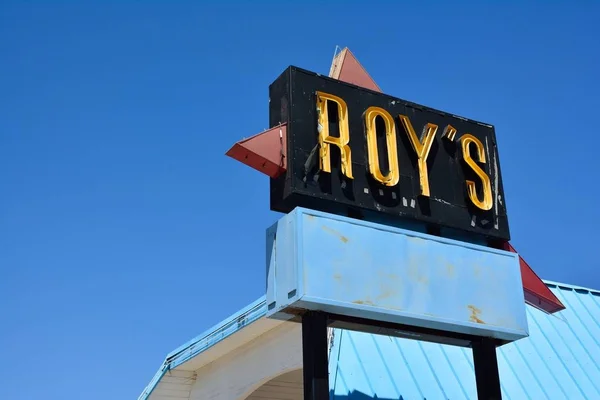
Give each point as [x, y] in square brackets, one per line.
[125, 230]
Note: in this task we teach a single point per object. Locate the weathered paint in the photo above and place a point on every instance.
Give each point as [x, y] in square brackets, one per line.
[346, 68]
[266, 152]
[438, 192]
[320, 261]
[559, 360]
[201, 346]
[536, 292]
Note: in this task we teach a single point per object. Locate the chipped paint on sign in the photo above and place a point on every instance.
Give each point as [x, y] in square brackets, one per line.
[366, 270]
[475, 313]
[343, 238]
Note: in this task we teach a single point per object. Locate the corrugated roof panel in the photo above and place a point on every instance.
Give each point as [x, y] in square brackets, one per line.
[560, 360]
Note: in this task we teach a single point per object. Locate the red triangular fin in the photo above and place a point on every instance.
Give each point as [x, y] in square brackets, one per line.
[265, 152]
[345, 67]
[536, 291]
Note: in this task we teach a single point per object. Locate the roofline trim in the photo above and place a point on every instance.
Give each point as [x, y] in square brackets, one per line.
[222, 329]
[561, 285]
[154, 382]
[207, 339]
[238, 321]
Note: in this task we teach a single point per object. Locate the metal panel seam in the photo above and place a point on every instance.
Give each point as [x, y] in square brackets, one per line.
[453, 370]
[583, 324]
[435, 376]
[569, 348]
[515, 374]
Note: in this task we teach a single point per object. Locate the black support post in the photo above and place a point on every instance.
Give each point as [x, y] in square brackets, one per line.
[314, 356]
[486, 369]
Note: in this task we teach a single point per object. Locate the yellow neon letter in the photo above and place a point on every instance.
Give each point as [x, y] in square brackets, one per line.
[465, 141]
[325, 140]
[449, 133]
[422, 148]
[393, 176]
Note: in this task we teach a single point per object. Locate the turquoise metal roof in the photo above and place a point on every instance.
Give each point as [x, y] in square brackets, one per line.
[559, 360]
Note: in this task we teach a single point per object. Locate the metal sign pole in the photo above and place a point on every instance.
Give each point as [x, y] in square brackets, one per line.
[486, 369]
[314, 356]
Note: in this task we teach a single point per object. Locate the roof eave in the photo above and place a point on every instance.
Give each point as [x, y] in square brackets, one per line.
[216, 335]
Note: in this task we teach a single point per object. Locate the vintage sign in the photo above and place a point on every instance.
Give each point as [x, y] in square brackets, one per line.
[324, 262]
[356, 152]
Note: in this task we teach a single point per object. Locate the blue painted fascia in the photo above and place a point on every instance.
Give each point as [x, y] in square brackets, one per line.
[154, 382]
[206, 340]
[217, 333]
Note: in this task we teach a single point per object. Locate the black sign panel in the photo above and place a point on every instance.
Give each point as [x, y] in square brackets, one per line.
[356, 152]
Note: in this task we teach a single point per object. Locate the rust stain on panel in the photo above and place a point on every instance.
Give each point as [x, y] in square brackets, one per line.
[343, 238]
[414, 272]
[475, 313]
[450, 270]
[389, 285]
[387, 294]
[337, 277]
[415, 239]
[365, 302]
